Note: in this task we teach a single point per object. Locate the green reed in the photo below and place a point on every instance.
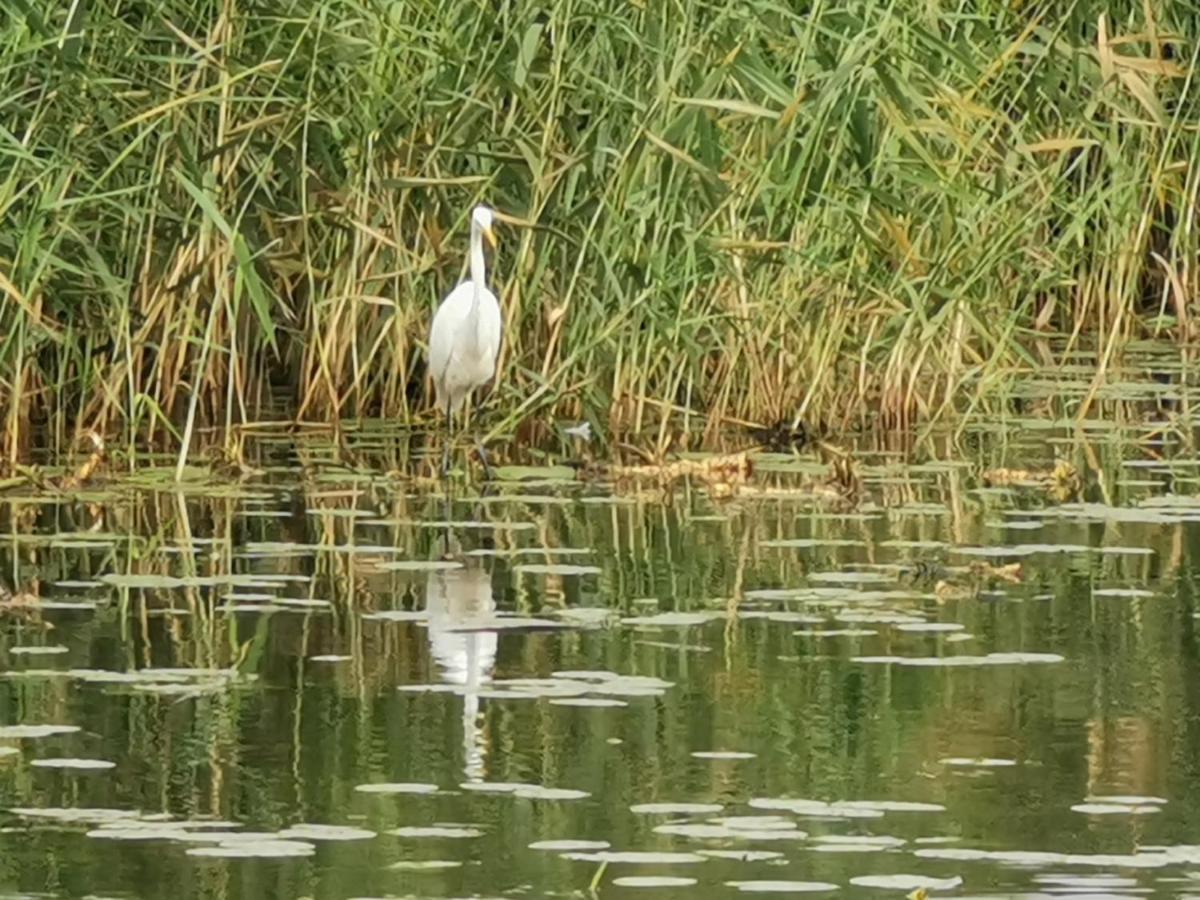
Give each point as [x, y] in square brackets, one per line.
[217, 212]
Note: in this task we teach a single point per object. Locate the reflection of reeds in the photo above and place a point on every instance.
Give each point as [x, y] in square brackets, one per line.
[849, 220]
[309, 734]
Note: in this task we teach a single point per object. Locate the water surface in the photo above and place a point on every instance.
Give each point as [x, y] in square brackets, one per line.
[324, 684]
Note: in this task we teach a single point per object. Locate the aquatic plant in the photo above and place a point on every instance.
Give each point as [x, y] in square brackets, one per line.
[217, 213]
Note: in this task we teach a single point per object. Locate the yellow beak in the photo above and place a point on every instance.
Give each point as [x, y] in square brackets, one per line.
[491, 237]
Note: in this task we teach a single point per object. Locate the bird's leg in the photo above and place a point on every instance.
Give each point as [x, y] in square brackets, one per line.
[483, 457]
[488, 473]
[448, 484]
[446, 447]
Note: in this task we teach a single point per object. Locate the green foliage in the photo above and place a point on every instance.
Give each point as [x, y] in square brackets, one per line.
[763, 211]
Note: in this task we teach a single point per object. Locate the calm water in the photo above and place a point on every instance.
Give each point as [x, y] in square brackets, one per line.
[837, 696]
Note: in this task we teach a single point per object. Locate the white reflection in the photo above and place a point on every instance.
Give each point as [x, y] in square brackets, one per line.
[457, 600]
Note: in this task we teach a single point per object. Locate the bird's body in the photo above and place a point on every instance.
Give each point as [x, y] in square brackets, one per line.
[464, 338]
[464, 344]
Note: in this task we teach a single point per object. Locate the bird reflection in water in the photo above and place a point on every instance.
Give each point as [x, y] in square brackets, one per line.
[459, 604]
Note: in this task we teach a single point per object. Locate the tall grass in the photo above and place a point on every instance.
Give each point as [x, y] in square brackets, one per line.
[217, 211]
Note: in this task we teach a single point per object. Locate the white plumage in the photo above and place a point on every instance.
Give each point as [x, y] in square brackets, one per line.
[464, 339]
[460, 603]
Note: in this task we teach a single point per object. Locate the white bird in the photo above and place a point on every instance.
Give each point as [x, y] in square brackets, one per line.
[464, 339]
[460, 604]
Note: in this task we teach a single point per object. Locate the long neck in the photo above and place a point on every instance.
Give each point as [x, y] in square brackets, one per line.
[478, 265]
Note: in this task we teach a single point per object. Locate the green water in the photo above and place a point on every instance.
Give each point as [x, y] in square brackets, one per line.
[286, 642]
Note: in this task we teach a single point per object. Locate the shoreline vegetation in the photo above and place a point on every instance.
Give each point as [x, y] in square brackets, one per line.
[760, 214]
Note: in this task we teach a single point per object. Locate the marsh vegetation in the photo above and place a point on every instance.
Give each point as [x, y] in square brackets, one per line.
[216, 213]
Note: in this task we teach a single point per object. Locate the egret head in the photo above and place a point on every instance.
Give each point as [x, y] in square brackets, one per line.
[482, 218]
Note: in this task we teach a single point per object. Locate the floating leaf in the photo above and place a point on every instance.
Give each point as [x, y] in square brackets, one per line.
[425, 865]
[742, 855]
[569, 845]
[311, 832]
[9, 732]
[536, 792]
[140, 831]
[991, 659]
[906, 882]
[858, 842]
[280, 849]
[636, 857]
[555, 569]
[1128, 799]
[674, 619]
[419, 565]
[756, 823]
[1117, 809]
[723, 754]
[676, 809]
[719, 832]
[816, 808]
[782, 887]
[397, 788]
[48, 650]
[436, 831]
[73, 815]
[73, 763]
[803, 543]
[836, 632]
[596, 702]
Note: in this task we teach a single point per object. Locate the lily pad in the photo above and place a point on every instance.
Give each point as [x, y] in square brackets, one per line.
[675, 809]
[312, 832]
[782, 887]
[10, 732]
[566, 845]
[419, 565]
[596, 702]
[425, 865]
[906, 882]
[637, 857]
[397, 788]
[723, 754]
[743, 855]
[555, 569]
[280, 849]
[537, 792]
[47, 650]
[1116, 809]
[76, 814]
[653, 881]
[436, 831]
[73, 763]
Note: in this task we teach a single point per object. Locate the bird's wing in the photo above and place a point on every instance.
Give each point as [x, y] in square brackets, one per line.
[491, 324]
[450, 313]
[491, 334]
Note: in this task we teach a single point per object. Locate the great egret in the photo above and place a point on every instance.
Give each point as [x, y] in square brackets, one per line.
[460, 604]
[464, 339]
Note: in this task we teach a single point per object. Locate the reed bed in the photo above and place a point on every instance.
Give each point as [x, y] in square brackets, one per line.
[212, 211]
